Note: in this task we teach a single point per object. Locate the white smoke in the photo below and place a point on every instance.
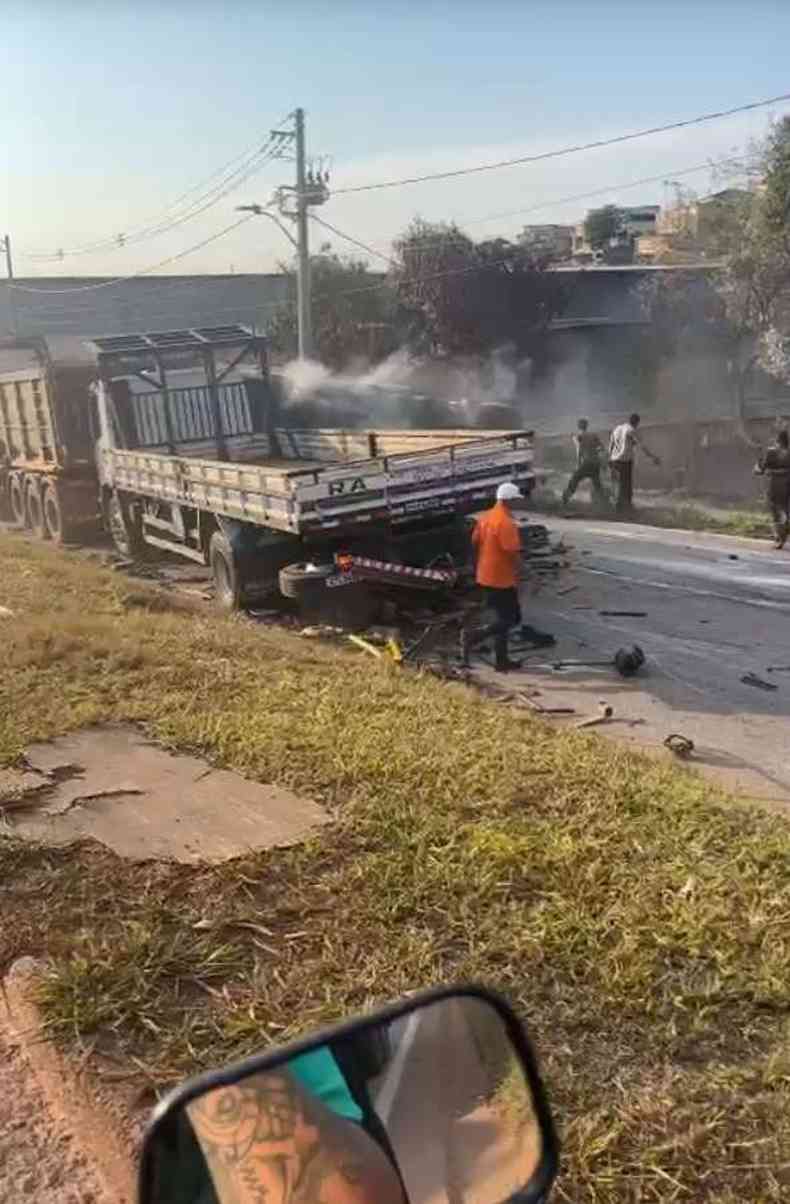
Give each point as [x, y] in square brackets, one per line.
[304, 377]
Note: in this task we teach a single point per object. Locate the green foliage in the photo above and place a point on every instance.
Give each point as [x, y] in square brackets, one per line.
[464, 297]
[354, 313]
[601, 225]
[742, 305]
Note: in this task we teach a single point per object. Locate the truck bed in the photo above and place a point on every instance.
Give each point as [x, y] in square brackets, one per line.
[415, 474]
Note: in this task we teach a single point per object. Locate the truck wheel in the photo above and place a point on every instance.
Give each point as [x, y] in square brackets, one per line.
[224, 569]
[124, 529]
[296, 579]
[16, 497]
[53, 513]
[35, 509]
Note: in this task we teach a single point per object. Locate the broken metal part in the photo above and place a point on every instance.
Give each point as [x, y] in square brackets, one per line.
[681, 746]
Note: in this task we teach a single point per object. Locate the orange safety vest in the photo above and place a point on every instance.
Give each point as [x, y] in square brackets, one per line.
[497, 540]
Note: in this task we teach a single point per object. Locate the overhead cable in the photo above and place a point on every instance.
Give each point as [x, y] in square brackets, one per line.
[567, 150]
[87, 288]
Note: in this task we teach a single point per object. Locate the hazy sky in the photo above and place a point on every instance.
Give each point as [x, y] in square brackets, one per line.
[112, 110]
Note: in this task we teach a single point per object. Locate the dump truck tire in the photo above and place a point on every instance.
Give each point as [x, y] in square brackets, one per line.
[57, 529]
[16, 498]
[296, 580]
[35, 508]
[228, 584]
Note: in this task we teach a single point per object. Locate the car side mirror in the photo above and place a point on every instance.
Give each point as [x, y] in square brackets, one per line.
[434, 1100]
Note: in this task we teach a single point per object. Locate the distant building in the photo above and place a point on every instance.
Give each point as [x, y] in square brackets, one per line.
[639, 220]
[688, 228]
[636, 221]
[553, 240]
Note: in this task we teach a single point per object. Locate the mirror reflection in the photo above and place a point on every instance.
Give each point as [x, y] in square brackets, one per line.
[430, 1108]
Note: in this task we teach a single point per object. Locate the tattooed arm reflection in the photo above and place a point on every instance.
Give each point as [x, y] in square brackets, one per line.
[268, 1141]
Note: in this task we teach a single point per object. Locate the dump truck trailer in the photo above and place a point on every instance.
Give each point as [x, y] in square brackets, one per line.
[190, 455]
[47, 457]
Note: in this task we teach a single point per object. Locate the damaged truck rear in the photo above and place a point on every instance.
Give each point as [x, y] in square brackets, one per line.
[176, 441]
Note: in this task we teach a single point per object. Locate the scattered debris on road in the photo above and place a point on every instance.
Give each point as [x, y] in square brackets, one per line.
[627, 662]
[681, 746]
[605, 713]
[623, 614]
[751, 679]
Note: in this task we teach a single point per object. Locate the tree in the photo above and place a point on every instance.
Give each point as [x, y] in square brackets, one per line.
[602, 225]
[462, 297]
[743, 303]
[354, 312]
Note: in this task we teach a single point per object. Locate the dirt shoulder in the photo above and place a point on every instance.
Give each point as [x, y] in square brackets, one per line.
[639, 925]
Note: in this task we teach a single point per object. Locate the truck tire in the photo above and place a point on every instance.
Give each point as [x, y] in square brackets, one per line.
[296, 579]
[53, 513]
[125, 528]
[16, 498]
[228, 584]
[35, 508]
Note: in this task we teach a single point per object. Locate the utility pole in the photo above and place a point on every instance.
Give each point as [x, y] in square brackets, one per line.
[5, 246]
[304, 315]
[293, 202]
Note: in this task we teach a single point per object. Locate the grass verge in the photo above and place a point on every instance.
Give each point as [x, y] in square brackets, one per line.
[642, 929]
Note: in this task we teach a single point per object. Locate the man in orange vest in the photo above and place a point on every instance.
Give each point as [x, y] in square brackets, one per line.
[497, 543]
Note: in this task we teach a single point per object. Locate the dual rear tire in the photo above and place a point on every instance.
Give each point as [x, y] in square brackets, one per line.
[39, 507]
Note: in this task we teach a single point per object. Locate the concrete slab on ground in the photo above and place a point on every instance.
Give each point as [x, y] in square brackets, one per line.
[113, 784]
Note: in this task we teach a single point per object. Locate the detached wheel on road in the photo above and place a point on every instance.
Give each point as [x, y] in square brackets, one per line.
[228, 585]
[125, 528]
[35, 509]
[296, 580]
[16, 498]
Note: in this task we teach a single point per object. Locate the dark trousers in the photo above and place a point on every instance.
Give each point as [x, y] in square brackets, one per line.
[506, 610]
[779, 505]
[585, 472]
[623, 477]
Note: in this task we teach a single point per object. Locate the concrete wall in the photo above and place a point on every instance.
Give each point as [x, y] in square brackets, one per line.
[147, 303]
[708, 459]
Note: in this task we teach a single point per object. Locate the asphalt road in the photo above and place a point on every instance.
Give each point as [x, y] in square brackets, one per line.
[717, 608]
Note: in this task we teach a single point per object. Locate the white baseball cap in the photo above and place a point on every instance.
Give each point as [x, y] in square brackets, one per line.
[508, 492]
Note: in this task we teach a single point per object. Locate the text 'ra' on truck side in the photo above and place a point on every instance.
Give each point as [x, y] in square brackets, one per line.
[176, 441]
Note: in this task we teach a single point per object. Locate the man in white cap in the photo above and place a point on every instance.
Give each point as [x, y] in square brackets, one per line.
[497, 542]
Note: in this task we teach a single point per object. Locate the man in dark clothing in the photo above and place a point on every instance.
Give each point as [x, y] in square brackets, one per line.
[774, 464]
[589, 450]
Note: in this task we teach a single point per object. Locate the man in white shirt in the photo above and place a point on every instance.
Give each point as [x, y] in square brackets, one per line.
[622, 444]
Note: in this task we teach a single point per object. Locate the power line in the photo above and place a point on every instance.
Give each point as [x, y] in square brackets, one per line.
[355, 241]
[567, 150]
[567, 200]
[246, 165]
[87, 288]
[372, 250]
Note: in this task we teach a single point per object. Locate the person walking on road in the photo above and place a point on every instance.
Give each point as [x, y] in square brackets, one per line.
[622, 445]
[589, 451]
[774, 464]
[497, 543]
